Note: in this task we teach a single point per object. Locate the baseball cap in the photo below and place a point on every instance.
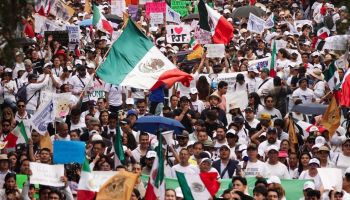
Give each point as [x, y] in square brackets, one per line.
[272, 147]
[193, 91]
[309, 185]
[184, 134]
[242, 147]
[238, 120]
[131, 112]
[265, 116]
[225, 146]
[320, 140]
[78, 62]
[282, 154]
[271, 130]
[184, 98]
[313, 129]
[96, 137]
[248, 109]
[130, 101]
[151, 154]
[231, 133]
[314, 161]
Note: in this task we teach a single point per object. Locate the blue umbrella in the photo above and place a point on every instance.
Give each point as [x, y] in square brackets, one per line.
[310, 108]
[153, 124]
[86, 22]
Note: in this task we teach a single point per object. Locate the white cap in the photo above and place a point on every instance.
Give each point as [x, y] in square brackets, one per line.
[9, 70]
[151, 154]
[96, 137]
[226, 11]
[273, 179]
[193, 90]
[130, 101]
[316, 146]
[314, 161]
[309, 185]
[104, 38]
[80, 15]
[46, 65]
[90, 65]
[272, 147]
[320, 140]
[313, 129]
[82, 57]
[78, 62]
[316, 53]
[307, 43]
[253, 69]
[294, 5]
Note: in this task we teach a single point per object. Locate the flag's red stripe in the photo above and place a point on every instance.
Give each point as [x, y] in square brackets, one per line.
[11, 140]
[150, 195]
[107, 26]
[85, 195]
[345, 99]
[210, 181]
[223, 32]
[172, 76]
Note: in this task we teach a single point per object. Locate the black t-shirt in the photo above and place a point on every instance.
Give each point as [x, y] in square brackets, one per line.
[185, 120]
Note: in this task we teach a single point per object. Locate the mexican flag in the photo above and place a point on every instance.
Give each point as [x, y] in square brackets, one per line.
[273, 60]
[119, 156]
[331, 76]
[198, 186]
[134, 61]
[85, 192]
[156, 181]
[211, 20]
[18, 135]
[345, 90]
[100, 21]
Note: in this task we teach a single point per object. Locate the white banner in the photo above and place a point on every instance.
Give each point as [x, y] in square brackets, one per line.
[215, 50]
[269, 23]
[178, 33]
[45, 174]
[172, 16]
[337, 42]
[156, 18]
[255, 24]
[118, 7]
[43, 116]
[260, 63]
[73, 34]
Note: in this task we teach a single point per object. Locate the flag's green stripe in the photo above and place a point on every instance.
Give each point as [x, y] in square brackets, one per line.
[86, 166]
[186, 190]
[203, 16]
[23, 131]
[273, 56]
[96, 15]
[329, 73]
[160, 172]
[118, 147]
[126, 52]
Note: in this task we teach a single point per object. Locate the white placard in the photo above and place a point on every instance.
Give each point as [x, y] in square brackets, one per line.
[331, 177]
[281, 44]
[98, 178]
[178, 33]
[269, 23]
[73, 34]
[45, 174]
[43, 116]
[215, 50]
[255, 24]
[156, 18]
[172, 15]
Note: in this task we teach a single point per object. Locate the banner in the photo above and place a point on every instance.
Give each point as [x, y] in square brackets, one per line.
[178, 33]
[45, 174]
[118, 7]
[180, 6]
[66, 152]
[155, 7]
[293, 187]
[337, 42]
[260, 63]
[255, 24]
[156, 18]
[172, 16]
[73, 34]
[43, 116]
[133, 12]
[269, 23]
[215, 50]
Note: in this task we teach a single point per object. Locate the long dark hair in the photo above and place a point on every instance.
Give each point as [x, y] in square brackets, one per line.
[256, 101]
[203, 88]
[300, 165]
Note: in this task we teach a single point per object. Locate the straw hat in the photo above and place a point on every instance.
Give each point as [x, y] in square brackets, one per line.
[317, 73]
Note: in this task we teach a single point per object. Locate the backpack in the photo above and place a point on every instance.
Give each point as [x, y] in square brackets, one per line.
[22, 93]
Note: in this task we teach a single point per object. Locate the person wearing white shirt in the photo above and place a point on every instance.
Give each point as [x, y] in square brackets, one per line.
[305, 94]
[115, 95]
[253, 167]
[275, 167]
[250, 117]
[319, 85]
[79, 83]
[266, 84]
[312, 174]
[33, 92]
[271, 140]
[197, 104]
[57, 70]
[9, 88]
[141, 150]
[253, 79]
[184, 166]
[62, 133]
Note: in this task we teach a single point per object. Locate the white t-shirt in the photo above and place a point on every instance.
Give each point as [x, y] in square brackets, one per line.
[254, 169]
[198, 105]
[316, 179]
[342, 162]
[115, 94]
[263, 146]
[279, 170]
[306, 95]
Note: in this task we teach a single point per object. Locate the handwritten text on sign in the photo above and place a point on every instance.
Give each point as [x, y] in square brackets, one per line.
[178, 34]
[46, 174]
[155, 7]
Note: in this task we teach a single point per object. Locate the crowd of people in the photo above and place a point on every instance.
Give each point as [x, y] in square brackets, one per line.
[219, 135]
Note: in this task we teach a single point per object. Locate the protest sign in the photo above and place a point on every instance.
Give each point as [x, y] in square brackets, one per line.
[59, 36]
[215, 50]
[21, 179]
[43, 116]
[281, 44]
[172, 16]
[269, 23]
[155, 7]
[62, 104]
[178, 34]
[255, 24]
[202, 36]
[66, 152]
[133, 12]
[260, 63]
[180, 6]
[45, 174]
[293, 187]
[97, 91]
[61, 10]
[73, 34]
[118, 7]
[156, 18]
[331, 178]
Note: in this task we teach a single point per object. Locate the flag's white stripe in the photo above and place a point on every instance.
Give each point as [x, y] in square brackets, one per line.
[213, 15]
[159, 192]
[198, 189]
[85, 179]
[144, 69]
[334, 81]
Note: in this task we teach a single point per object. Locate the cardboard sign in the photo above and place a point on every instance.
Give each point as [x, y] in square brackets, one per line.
[180, 6]
[215, 50]
[178, 34]
[60, 36]
[155, 7]
[66, 152]
[45, 174]
[98, 178]
[331, 177]
[73, 34]
[156, 18]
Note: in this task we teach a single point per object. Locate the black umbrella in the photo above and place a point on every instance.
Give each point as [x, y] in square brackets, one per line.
[114, 18]
[310, 108]
[244, 11]
[191, 16]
